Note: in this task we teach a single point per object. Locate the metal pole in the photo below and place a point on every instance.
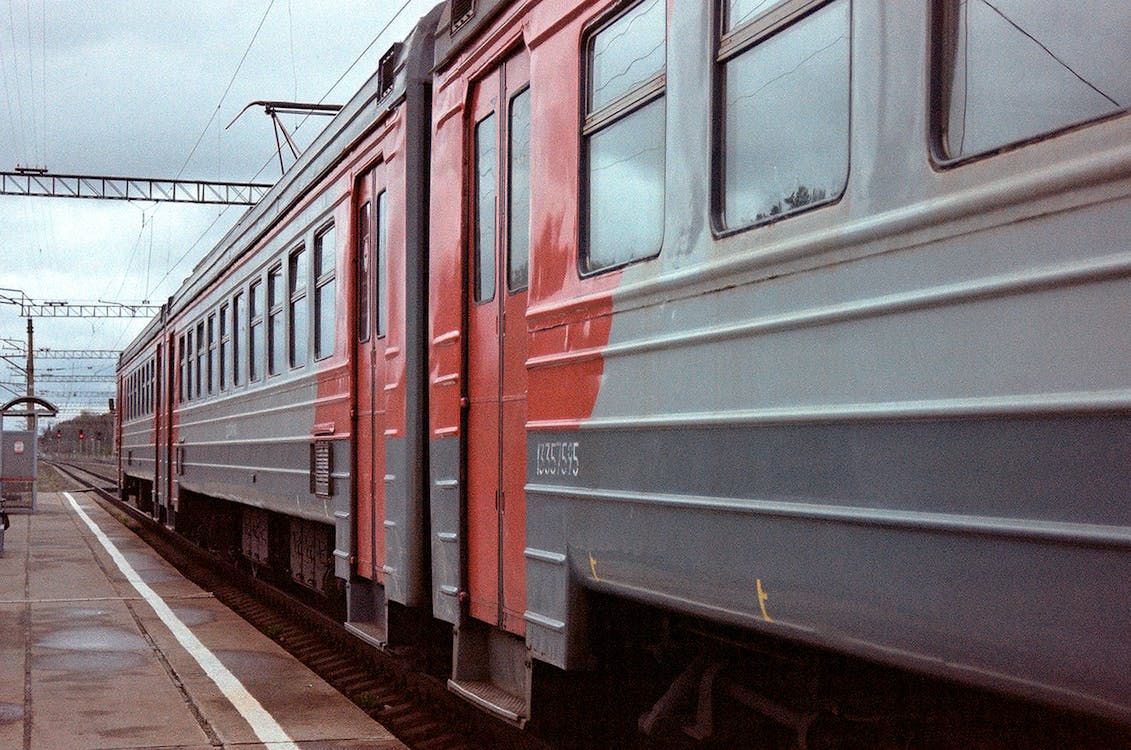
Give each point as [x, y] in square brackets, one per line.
[30, 370]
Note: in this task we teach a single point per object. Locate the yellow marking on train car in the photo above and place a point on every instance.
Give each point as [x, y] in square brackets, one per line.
[593, 567]
[762, 597]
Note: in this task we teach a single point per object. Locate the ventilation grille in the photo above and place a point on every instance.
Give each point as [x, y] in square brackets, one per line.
[462, 12]
[387, 69]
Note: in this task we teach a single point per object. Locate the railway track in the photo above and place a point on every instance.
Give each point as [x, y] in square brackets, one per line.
[415, 706]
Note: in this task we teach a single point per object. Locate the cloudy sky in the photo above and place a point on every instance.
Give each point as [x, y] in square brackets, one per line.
[146, 89]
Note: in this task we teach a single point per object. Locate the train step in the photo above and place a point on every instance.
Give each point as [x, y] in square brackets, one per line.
[492, 669]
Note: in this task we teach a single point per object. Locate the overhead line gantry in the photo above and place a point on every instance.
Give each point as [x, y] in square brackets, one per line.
[39, 183]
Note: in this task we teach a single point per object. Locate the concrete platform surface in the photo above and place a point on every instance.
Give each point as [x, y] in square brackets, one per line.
[103, 645]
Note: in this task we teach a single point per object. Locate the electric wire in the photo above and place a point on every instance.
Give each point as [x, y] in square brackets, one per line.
[271, 158]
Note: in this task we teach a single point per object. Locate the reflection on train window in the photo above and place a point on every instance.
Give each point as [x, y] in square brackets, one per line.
[324, 309]
[382, 263]
[275, 337]
[239, 327]
[785, 92]
[623, 138]
[1013, 70]
[486, 189]
[255, 339]
[297, 316]
[518, 197]
[225, 347]
[363, 261]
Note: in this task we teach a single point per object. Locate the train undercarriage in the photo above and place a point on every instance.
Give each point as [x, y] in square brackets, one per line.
[664, 679]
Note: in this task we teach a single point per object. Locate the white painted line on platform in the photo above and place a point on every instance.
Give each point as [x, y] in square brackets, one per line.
[262, 722]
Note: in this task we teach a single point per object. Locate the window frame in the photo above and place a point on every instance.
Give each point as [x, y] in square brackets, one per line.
[201, 353]
[484, 263]
[319, 283]
[256, 322]
[364, 289]
[943, 14]
[275, 308]
[509, 224]
[297, 297]
[223, 319]
[381, 262]
[239, 331]
[635, 100]
[212, 352]
[729, 46]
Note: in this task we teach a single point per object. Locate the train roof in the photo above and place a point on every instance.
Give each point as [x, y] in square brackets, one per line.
[404, 64]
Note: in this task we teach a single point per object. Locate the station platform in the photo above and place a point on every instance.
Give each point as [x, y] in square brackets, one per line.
[105, 645]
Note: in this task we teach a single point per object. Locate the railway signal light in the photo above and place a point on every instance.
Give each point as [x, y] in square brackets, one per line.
[81, 436]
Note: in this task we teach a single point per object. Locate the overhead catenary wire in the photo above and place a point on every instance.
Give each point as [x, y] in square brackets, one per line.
[270, 159]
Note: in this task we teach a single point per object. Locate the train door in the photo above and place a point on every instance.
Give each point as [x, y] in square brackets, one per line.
[371, 304]
[497, 345]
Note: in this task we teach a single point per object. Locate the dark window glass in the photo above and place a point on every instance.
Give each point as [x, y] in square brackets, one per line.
[382, 263]
[1014, 70]
[624, 139]
[486, 191]
[255, 339]
[324, 287]
[518, 196]
[363, 263]
[297, 317]
[785, 105]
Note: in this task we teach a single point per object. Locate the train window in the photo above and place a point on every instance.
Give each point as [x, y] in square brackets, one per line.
[297, 312]
[623, 138]
[1014, 70]
[363, 260]
[189, 355]
[518, 194]
[486, 191]
[225, 347]
[211, 353]
[239, 333]
[201, 350]
[382, 263]
[183, 368]
[275, 338]
[324, 289]
[785, 109]
[255, 338]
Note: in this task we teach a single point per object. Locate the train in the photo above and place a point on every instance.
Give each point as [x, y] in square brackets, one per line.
[801, 321]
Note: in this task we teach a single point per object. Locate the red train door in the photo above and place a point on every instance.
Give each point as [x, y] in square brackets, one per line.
[372, 251]
[497, 345]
